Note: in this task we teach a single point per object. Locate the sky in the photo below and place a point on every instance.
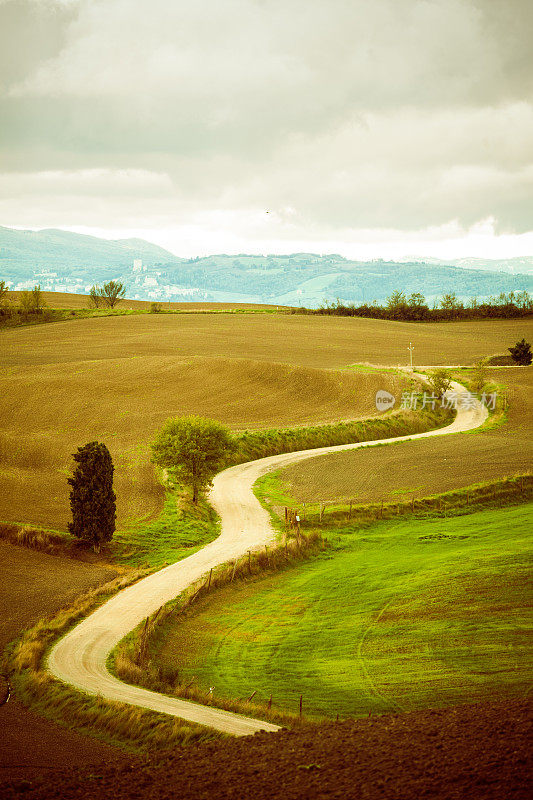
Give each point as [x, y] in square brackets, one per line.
[369, 128]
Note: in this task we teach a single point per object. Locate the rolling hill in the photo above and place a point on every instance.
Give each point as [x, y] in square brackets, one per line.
[117, 379]
[62, 261]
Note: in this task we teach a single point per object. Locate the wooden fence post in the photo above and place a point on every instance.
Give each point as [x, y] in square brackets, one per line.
[210, 575]
[350, 511]
[233, 572]
[249, 562]
[301, 704]
[322, 506]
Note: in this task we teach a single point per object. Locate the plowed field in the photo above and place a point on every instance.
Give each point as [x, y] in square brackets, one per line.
[116, 379]
[481, 752]
[427, 466]
[34, 584]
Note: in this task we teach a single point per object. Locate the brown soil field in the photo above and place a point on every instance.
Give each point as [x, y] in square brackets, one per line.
[326, 342]
[34, 584]
[64, 300]
[48, 410]
[424, 467]
[480, 752]
[116, 379]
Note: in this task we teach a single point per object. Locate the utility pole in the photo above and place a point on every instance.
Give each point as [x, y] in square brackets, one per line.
[411, 348]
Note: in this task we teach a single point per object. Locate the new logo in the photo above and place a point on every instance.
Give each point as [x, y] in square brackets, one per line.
[384, 400]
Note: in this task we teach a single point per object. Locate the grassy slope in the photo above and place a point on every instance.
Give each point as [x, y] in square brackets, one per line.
[403, 615]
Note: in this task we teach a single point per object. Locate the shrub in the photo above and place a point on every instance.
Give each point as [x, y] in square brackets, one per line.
[32, 302]
[440, 381]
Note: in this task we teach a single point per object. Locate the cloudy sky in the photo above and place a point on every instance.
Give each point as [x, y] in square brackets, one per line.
[365, 127]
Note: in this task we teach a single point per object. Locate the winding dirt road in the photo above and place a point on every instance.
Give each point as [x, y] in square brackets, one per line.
[79, 658]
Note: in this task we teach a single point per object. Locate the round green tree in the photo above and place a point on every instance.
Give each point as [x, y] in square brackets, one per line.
[192, 449]
[92, 499]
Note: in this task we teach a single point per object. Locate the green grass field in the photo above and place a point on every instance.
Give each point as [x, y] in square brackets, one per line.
[406, 614]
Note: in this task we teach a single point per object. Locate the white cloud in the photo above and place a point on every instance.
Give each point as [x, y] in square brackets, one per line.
[355, 115]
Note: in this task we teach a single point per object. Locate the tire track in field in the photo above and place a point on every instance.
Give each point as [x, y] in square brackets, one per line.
[80, 657]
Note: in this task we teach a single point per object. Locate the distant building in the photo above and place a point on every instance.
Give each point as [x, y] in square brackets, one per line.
[137, 265]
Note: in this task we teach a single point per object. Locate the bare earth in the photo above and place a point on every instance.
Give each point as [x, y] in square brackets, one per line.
[32, 585]
[479, 752]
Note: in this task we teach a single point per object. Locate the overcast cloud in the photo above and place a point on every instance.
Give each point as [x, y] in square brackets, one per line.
[350, 122]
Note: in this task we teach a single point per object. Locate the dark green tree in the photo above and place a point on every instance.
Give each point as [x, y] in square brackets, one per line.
[521, 353]
[417, 307]
[192, 449]
[92, 499]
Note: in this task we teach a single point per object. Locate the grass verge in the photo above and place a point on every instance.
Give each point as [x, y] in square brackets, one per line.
[179, 531]
[259, 444]
[135, 659]
[132, 728]
[404, 613]
[511, 490]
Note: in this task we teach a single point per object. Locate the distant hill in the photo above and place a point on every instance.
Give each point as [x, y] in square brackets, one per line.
[61, 261]
[27, 252]
[520, 264]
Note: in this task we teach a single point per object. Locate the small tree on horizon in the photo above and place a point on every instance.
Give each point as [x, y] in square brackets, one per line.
[4, 297]
[32, 302]
[92, 499]
[192, 449]
[112, 293]
[95, 296]
[521, 353]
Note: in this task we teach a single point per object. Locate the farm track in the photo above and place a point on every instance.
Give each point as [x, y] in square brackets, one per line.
[80, 657]
[425, 468]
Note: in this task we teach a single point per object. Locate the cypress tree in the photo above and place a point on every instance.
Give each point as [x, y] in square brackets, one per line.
[521, 353]
[92, 499]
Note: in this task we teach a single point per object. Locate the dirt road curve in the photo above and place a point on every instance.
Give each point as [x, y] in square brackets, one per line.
[79, 658]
